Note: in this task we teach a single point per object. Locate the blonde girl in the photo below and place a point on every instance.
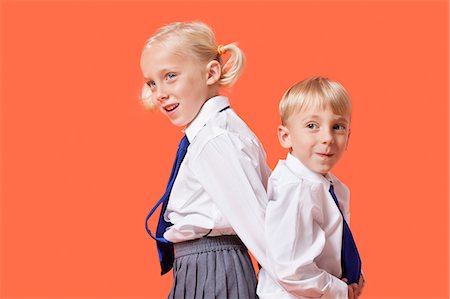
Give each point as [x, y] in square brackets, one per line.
[213, 207]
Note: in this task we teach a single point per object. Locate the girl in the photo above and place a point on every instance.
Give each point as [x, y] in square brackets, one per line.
[216, 196]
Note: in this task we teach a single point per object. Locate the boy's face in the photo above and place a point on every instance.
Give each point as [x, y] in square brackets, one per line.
[178, 82]
[318, 138]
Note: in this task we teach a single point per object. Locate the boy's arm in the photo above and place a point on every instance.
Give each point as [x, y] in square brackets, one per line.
[295, 238]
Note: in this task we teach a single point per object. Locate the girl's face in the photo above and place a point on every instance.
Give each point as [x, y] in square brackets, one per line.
[178, 82]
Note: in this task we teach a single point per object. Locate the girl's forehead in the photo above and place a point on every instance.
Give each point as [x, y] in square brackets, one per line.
[161, 50]
[158, 56]
[161, 57]
[169, 48]
[168, 43]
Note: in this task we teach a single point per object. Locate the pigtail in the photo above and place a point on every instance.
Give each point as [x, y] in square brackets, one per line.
[146, 97]
[234, 66]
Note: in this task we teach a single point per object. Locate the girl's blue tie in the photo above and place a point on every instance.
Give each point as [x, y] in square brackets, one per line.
[165, 248]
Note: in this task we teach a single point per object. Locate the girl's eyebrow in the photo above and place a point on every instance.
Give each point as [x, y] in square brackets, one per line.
[162, 72]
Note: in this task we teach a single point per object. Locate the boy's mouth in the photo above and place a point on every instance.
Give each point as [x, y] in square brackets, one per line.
[172, 107]
[324, 155]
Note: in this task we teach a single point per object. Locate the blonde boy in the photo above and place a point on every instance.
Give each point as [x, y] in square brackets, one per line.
[307, 238]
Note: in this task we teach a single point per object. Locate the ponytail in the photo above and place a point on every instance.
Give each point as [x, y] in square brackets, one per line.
[234, 66]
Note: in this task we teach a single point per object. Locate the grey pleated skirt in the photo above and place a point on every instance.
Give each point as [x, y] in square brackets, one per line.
[213, 267]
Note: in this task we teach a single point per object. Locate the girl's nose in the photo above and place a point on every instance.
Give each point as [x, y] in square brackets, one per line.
[161, 95]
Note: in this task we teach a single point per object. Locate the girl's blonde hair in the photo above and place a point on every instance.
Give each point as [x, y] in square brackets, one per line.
[315, 93]
[198, 39]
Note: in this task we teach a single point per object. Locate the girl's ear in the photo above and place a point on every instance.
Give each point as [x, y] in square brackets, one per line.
[213, 72]
[284, 137]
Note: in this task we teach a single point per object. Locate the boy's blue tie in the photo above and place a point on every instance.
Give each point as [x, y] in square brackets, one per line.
[165, 248]
[350, 260]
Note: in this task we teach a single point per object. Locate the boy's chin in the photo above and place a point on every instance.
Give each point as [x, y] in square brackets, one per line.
[321, 169]
[325, 170]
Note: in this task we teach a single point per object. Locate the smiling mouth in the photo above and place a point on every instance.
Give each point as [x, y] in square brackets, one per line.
[169, 108]
[325, 155]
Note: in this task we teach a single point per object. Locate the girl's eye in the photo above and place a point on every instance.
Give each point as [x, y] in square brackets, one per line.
[312, 126]
[151, 84]
[170, 76]
[339, 127]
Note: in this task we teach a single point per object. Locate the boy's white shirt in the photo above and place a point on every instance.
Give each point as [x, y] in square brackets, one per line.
[221, 184]
[303, 228]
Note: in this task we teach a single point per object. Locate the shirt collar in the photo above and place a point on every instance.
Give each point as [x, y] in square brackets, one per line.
[209, 108]
[300, 170]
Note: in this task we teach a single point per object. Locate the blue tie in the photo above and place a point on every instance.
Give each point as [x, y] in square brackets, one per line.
[165, 248]
[350, 260]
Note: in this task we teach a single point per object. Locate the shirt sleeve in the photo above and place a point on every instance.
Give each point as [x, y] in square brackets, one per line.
[228, 167]
[295, 238]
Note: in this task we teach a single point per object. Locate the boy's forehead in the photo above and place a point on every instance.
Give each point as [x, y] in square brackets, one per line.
[319, 113]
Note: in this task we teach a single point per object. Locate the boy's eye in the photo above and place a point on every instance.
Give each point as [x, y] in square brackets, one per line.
[312, 126]
[339, 127]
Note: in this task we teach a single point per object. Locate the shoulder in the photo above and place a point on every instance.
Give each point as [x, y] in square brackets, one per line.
[229, 122]
[283, 180]
[289, 192]
[226, 131]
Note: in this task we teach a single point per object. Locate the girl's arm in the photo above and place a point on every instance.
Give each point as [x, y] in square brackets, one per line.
[227, 168]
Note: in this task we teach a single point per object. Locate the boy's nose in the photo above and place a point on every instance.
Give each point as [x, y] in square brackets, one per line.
[327, 137]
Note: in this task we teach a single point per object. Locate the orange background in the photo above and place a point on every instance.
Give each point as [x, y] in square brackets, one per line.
[82, 162]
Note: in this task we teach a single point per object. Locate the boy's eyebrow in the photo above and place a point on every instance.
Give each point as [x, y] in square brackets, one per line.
[310, 116]
[315, 116]
[344, 119]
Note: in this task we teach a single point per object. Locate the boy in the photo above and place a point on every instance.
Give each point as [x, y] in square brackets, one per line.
[310, 248]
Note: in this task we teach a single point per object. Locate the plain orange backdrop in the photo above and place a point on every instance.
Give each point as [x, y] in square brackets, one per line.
[82, 162]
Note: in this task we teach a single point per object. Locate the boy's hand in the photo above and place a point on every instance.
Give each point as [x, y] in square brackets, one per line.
[361, 284]
[353, 289]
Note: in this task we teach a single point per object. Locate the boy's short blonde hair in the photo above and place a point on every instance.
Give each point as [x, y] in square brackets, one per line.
[315, 93]
[197, 39]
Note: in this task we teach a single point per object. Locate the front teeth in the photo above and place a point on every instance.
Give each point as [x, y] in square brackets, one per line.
[171, 107]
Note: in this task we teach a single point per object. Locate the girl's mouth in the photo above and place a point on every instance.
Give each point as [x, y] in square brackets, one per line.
[172, 107]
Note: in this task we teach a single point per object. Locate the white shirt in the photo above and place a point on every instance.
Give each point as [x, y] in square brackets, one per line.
[221, 184]
[303, 229]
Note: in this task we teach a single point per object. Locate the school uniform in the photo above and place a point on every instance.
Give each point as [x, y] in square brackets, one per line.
[219, 192]
[303, 228]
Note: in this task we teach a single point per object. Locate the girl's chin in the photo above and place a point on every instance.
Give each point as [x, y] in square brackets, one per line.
[179, 122]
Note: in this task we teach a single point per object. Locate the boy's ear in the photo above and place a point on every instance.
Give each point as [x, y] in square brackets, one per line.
[213, 72]
[284, 137]
[348, 138]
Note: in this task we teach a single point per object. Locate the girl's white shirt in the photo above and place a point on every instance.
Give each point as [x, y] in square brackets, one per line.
[221, 185]
[303, 228]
